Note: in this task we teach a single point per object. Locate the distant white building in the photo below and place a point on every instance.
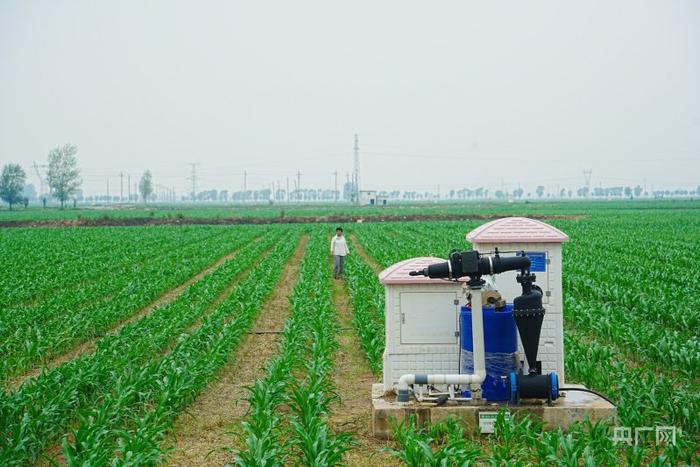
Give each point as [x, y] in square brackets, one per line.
[371, 198]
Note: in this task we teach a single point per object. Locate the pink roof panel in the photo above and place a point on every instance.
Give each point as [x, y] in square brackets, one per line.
[516, 230]
[398, 273]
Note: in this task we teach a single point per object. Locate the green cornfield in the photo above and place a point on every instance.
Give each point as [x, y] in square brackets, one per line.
[233, 345]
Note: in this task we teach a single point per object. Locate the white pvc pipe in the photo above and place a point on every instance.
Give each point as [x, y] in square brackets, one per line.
[474, 380]
[478, 336]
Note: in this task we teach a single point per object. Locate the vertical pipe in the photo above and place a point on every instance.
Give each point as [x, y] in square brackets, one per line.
[478, 340]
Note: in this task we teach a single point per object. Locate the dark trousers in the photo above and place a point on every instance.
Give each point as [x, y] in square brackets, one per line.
[338, 263]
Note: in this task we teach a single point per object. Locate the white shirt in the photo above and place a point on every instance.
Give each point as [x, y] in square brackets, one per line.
[339, 246]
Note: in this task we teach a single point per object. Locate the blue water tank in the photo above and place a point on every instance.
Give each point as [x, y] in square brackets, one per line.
[501, 347]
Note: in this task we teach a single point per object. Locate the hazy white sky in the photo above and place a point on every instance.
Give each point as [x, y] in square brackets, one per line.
[450, 93]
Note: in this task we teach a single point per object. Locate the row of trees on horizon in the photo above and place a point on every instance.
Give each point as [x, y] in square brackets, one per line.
[64, 184]
[63, 178]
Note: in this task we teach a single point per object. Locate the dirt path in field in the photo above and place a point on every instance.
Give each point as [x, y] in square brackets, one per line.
[89, 345]
[202, 435]
[353, 381]
[363, 254]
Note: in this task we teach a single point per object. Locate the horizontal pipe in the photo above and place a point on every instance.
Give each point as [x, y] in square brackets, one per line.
[406, 380]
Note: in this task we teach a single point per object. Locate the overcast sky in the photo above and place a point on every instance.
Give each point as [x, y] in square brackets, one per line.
[441, 93]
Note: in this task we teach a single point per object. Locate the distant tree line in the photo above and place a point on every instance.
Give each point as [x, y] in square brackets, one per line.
[12, 181]
[64, 182]
[63, 178]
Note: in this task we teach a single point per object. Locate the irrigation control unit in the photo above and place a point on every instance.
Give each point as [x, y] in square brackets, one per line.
[479, 332]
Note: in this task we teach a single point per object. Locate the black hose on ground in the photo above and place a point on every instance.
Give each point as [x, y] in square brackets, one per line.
[589, 391]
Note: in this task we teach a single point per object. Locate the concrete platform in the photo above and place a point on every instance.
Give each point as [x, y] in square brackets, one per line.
[571, 407]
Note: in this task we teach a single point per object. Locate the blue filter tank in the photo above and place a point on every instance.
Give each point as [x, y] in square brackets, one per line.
[500, 345]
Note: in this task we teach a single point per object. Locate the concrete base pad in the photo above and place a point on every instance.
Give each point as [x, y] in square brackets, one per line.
[571, 407]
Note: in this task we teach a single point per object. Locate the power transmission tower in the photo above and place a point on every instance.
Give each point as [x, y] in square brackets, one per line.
[193, 179]
[587, 177]
[42, 179]
[356, 174]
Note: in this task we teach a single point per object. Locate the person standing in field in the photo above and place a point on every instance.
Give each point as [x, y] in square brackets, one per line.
[339, 250]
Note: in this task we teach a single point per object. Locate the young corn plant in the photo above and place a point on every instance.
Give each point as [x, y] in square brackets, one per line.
[38, 413]
[262, 432]
[311, 397]
[367, 295]
[309, 336]
[169, 384]
[442, 444]
[69, 317]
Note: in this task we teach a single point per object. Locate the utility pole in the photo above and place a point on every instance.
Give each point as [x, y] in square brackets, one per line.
[121, 187]
[128, 185]
[356, 174]
[298, 186]
[335, 193]
[193, 179]
[587, 178]
[245, 185]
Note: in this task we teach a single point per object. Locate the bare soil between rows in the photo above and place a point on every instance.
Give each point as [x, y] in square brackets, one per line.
[149, 221]
[357, 245]
[203, 434]
[353, 381]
